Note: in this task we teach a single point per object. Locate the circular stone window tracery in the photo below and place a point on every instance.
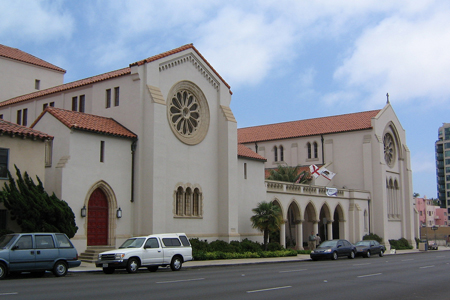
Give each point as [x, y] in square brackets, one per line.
[188, 112]
[389, 149]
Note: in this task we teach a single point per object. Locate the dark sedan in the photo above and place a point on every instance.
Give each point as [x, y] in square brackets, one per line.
[334, 249]
[368, 248]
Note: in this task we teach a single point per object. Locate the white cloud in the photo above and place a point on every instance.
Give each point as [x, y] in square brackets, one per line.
[407, 57]
[36, 21]
[244, 47]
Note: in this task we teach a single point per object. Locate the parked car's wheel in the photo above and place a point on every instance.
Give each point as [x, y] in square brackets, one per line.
[133, 265]
[351, 255]
[3, 270]
[176, 263]
[381, 253]
[153, 268]
[334, 256]
[60, 269]
[108, 270]
[368, 254]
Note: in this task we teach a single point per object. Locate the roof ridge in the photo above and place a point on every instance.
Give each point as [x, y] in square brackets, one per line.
[13, 128]
[88, 122]
[317, 118]
[68, 86]
[19, 55]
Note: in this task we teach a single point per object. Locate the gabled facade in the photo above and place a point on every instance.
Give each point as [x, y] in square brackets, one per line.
[22, 73]
[368, 153]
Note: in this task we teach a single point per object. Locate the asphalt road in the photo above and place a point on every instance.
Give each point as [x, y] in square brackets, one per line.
[413, 276]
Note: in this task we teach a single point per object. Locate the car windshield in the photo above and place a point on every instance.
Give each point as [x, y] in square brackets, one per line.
[363, 243]
[7, 240]
[133, 243]
[328, 244]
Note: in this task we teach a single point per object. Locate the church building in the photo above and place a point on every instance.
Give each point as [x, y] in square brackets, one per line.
[154, 147]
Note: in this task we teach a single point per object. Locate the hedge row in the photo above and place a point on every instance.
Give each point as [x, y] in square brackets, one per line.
[202, 250]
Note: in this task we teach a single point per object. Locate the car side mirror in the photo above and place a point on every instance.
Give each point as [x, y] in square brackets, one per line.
[15, 247]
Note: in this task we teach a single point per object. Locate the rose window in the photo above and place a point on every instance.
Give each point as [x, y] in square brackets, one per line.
[389, 149]
[185, 113]
[188, 112]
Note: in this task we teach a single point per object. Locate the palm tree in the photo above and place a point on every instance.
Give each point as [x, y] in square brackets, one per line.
[289, 174]
[267, 218]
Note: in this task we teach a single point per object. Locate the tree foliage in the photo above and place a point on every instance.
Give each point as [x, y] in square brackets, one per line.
[267, 218]
[289, 174]
[33, 209]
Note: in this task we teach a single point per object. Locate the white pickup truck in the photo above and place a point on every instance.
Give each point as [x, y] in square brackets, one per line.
[150, 251]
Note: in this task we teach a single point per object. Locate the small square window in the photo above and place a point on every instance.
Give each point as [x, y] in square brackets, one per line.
[102, 151]
[108, 98]
[82, 103]
[75, 103]
[116, 96]
[4, 154]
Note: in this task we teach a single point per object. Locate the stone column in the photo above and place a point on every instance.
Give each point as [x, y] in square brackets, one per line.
[283, 233]
[330, 229]
[299, 228]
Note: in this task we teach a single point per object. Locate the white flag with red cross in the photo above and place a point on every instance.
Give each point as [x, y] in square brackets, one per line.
[314, 170]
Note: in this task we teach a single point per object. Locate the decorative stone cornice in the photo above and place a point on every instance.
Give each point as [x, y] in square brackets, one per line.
[190, 58]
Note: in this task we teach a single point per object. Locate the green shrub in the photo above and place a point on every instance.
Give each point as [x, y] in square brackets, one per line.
[400, 244]
[373, 236]
[250, 246]
[221, 246]
[202, 250]
[274, 246]
[303, 251]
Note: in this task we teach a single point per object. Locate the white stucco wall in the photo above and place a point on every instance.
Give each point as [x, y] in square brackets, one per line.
[18, 78]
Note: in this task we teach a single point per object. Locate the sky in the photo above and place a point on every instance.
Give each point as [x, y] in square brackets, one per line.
[285, 60]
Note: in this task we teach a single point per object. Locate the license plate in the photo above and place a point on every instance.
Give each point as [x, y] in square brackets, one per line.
[105, 265]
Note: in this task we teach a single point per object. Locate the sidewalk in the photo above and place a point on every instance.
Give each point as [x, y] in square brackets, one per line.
[90, 267]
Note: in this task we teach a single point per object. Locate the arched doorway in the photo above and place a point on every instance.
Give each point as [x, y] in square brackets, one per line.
[338, 230]
[293, 219]
[324, 219]
[97, 229]
[310, 223]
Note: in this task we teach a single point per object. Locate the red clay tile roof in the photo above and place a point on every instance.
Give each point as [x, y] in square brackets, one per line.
[19, 55]
[87, 122]
[325, 125]
[8, 128]
[244, 151]
[67, 86]
[177, 50]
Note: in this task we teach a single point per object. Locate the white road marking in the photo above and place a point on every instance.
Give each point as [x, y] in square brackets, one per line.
[186, 280]
[293, 271]
[271, 289]
[369, 275]
[362, 264]
[6, 294]
[426, 267]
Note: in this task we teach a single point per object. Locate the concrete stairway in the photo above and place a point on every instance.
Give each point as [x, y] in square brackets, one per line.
[90, 255]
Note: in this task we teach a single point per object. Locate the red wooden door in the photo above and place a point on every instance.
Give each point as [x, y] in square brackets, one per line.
[97, 219]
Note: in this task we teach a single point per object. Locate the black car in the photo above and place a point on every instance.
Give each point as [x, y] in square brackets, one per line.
[367, 248]
[333, 249]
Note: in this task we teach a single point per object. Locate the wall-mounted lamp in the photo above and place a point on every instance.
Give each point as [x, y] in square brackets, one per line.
[119, 213]
[83, 211]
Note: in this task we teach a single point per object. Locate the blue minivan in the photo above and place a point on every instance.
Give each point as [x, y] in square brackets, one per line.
[37, 252]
